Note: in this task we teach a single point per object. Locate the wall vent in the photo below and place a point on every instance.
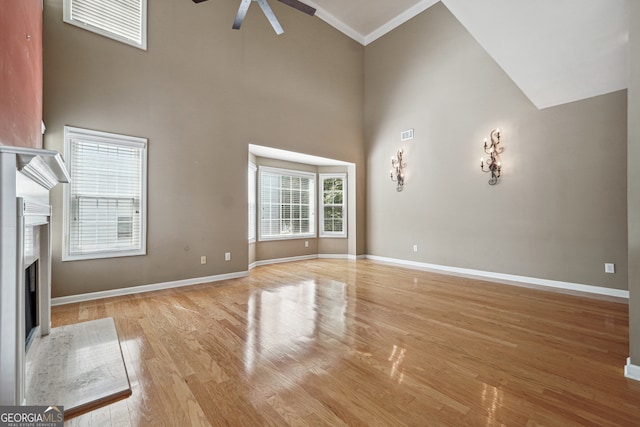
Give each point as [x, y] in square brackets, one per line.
[406, 135]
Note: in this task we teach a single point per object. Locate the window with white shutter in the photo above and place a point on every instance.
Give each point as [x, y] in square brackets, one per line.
[287, 204]
[105, 203]
[121, 20]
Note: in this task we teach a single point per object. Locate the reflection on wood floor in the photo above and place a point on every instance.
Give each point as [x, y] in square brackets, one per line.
[360, 343]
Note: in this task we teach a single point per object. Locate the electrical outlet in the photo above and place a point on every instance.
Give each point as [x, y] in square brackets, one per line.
[609, 268]
[203, 259]
[227, 256]
[415, 248]
[306, 243]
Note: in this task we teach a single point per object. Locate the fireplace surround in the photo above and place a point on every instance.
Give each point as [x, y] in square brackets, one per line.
[26, 177]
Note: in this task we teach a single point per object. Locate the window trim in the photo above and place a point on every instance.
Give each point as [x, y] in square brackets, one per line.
[115, 139]
[321, 178]
[312, 199]
[66, 17]
[253, 168]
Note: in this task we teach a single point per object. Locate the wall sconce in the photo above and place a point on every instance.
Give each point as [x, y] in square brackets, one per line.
[398, 165]
[493, 162]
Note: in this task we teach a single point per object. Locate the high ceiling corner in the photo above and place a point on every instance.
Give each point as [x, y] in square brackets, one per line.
[556, 51]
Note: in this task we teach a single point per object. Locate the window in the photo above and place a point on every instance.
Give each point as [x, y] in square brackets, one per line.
[252, 202]
[121, 20]
[287, 204]
[333, 205]
[105, 203]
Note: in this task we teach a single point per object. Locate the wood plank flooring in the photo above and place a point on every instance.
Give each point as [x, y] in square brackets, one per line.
[360, 343]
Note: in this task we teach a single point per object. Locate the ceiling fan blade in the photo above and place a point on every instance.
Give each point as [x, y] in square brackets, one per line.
[198, 1]
[270, 16]
[242, 12]
[298, 5]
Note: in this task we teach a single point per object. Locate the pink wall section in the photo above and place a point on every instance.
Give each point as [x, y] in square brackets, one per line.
[21, 73]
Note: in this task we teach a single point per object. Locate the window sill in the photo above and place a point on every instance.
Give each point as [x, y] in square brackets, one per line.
[296, 237]
[101, 255]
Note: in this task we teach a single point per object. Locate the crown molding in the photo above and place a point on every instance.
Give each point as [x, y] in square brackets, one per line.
[376, 34]
[399, 20]
[336, 23]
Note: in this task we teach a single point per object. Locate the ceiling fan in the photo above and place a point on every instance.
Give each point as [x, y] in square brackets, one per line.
[266, 9]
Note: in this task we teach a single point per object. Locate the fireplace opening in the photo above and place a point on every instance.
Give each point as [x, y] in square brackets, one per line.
[31, 302]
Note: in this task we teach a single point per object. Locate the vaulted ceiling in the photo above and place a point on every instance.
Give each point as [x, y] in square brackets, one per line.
[556, 51]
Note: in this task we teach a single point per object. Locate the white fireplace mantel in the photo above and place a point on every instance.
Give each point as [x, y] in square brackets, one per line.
[26, 177]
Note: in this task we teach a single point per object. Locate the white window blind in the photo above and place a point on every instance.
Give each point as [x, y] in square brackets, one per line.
[252, 202]
[287, 204]
[121, 20]
[333, 205]
[106, 199]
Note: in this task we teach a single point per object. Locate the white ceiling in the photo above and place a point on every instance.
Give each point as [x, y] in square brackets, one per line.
[556, 51]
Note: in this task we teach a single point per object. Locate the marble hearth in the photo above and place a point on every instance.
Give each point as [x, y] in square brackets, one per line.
[26, 177]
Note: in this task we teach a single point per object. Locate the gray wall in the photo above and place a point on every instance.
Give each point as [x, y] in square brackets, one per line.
[634, 182]
[201, 93]
[559, 211]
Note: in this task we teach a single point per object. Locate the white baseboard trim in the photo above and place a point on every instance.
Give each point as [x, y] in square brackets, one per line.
[145, 288]
[281, 260]
[508, 279]
[632, 371]
[334, 256]
[497, 277]
[304, 258]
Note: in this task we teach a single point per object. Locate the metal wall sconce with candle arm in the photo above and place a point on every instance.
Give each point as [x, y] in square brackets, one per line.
[493, 162]
[397, 169]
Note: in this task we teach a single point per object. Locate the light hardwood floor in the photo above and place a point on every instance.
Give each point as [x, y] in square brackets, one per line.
[360, 343]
